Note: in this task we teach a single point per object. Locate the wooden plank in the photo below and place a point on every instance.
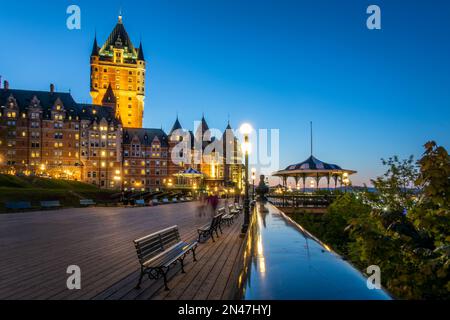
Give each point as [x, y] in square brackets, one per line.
[37, 247]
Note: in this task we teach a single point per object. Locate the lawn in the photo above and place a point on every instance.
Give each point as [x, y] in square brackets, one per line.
[34, 189]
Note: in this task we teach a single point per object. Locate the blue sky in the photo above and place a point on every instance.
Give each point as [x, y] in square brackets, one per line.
[276, 64]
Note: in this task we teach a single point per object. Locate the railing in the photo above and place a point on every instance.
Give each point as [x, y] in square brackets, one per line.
[302, 201]
[281, 260]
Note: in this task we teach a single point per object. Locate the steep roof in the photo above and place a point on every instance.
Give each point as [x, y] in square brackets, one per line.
[97, 113]
[109, 96]
[145, 136]
[118, 38]
[141, 52]
[176, 126]
[95, 48]
[46, 99]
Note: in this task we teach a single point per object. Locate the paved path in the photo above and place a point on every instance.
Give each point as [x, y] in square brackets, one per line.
[37, 247]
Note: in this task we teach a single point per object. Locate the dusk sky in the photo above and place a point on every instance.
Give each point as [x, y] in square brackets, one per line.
[276, 64]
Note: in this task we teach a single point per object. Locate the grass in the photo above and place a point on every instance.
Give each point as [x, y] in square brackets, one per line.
[34, 189]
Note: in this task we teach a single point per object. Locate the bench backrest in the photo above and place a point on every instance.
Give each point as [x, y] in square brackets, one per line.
[155, 243]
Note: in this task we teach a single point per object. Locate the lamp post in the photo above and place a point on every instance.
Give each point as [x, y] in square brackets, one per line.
[253, 183]
[245, 130]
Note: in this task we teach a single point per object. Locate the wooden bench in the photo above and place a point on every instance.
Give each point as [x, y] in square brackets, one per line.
[87, 202]
[158, 252]
[18, 205]
[210, 228]
[50, 204]
[227, 218]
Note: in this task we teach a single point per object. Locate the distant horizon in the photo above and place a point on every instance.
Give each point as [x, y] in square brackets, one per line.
[278, 65]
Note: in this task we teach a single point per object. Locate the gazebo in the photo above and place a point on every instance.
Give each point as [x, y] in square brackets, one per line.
[189, 178]
[315, 169]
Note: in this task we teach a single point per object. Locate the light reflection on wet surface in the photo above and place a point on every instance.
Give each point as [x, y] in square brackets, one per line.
[282, 261]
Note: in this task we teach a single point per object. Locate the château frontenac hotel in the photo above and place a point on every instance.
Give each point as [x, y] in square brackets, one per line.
[48, 133]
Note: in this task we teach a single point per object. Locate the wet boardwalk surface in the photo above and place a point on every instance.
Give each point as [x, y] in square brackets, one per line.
[37, 247]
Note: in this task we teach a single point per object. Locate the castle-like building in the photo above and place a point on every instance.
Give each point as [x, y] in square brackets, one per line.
[48, 133]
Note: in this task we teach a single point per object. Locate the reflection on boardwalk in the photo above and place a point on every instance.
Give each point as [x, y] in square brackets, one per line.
[283, 261]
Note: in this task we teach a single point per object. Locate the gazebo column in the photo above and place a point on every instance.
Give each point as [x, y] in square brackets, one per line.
[328, 181]
[304, 182]
[335, 181]
[296, 181]
[317, 181]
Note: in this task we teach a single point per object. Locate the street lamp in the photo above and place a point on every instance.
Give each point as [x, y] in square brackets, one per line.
[245, 130]
[253, 182]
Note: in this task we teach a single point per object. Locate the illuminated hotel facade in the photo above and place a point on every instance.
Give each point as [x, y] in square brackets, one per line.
[48, 133]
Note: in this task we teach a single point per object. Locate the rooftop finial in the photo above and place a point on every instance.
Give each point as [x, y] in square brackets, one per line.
[120, 15]
[311, 124]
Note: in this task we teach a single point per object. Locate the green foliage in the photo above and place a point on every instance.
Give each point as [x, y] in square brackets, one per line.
[403, 227]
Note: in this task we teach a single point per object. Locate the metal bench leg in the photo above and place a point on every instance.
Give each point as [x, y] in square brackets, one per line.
[193, 254]
[182, 265]
[211, 233]
[217, 232]
[165, 280]
[138, 286]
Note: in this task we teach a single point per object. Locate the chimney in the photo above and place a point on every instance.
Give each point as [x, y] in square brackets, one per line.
[52, 88]
[6, 85]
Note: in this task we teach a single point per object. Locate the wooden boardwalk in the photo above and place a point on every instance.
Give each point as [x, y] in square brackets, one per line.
[37, 247]
[212, 277]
